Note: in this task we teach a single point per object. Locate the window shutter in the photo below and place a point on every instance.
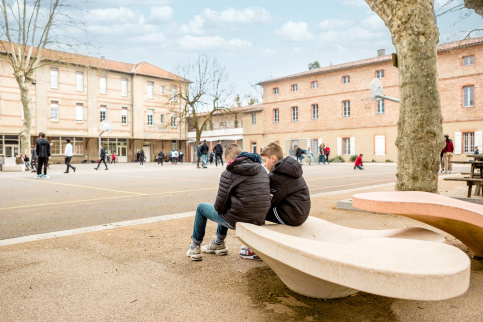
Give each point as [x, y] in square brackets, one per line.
[339, 146]
[79, 81]
[353, 145]
[319, 142]
[103, 85]
[380, 145]
[79, 113]
[478, 139]
[54, 78]
[309, 143]
[457, 142]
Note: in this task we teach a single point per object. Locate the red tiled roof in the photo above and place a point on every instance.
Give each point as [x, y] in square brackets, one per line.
[374, 60]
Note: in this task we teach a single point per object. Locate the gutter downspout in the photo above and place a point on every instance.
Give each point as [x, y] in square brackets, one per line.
[132, 113]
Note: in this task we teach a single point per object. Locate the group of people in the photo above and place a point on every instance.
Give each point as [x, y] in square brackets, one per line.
[247, 193]
[204, 155]
[324, 152]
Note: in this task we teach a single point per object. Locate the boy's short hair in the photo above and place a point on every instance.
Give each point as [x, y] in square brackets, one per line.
[232, 151]
[42, 135]
[67, 140]
[272, 148]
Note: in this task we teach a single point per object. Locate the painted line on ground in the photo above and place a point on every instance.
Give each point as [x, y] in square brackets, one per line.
[70, 232]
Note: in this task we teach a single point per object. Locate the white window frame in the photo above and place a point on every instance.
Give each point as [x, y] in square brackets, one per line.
[103, 84]
[173, 120]
[380, 107]
[380, 73]
[468, 60]
[276, 91]
[294, 87]
[315, 84]
[254, 119]
[54, 78]
[124, 116]
[469, 96]
[295, 114]
[54, 111]
[253, 146]
[346, 79]
[346, 108]
[150, 90]
[161, 89]
[102, 113]
[150, 117]
[468, 142]
[124, 84]
[276, 115]
[346, 146]
[174, 93]
[315, 111]
[79, 113]
[79, 81]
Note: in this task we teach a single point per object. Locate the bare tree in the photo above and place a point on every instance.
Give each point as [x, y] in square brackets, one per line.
[414, 32]
[206, 92]
[27, 29]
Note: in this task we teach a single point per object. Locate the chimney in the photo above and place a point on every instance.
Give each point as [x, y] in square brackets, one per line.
[381, 52]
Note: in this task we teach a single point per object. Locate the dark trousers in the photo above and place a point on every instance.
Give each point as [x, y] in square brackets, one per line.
[44, 162]
[198, 163]
[218, 156]
[160, 160]
[67, 161]
[141, 161]
[102, 160]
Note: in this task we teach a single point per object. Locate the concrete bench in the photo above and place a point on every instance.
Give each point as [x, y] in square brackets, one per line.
[324, 260]
[463, 220]
[13, 168]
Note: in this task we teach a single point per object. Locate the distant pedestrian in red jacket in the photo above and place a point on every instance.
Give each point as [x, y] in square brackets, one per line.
[358, 164]
[448, 155]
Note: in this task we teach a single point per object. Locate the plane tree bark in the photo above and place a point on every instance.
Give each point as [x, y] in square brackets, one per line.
[412, 24]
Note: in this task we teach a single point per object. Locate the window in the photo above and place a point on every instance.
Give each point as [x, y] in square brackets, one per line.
[346, 108]
[346, 143]
[124, 116]
[174, 145]
[161, 119]
[295, 114]
[275, 91]
[103, 112]
[254, 119]
[380, 145]
[79, 81]
[379, 74]
[150, 117]
[315, 84]
[468, 96]
[103, 85]
[254, 147]
[54, 111]
[294, 88]
[173, 120]
[468, 60]
[468, 142]
[315, 111]
[54, 78]
[174, 93]
[150, 89]
[79, 112]
[161, 90]
[380, 107]
[346, 79]
[276, 113]
[123, 86]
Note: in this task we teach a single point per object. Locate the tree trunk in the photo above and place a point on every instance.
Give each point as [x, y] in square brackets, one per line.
[419, 134]
[25, 133]
[198, 135]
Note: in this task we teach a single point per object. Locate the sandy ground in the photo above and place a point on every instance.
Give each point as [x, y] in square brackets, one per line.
[141, 273]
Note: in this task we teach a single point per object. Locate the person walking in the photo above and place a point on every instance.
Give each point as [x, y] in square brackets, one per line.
[327, 153]
[298, 154]
[448, 155]
[175, 157]
[68, 152]
[218, 149]
[198, 154]
[204, 153]
[181, 155]
[161, 157]
[137, 156]
[310, 155]
[42, 149]
[321, 154]
[34, 158]
[102, 158]
[141, 158]
[113, 158]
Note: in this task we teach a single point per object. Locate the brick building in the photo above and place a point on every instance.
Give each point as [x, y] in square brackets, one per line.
[330, 105]
[70, 99]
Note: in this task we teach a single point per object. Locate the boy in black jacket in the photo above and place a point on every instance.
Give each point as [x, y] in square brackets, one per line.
[243, 196]
[290, 204]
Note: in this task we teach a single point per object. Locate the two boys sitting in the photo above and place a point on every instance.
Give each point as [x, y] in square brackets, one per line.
[248, 194]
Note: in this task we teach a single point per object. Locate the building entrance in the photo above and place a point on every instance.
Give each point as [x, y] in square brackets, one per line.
[11, 151]
[122, 154]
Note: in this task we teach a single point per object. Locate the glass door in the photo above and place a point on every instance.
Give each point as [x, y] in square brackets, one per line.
[121, 153]
[10, 152]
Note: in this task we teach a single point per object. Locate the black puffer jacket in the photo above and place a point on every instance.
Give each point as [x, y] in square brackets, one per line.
[291, 197]
[244, 192]
[42, 147]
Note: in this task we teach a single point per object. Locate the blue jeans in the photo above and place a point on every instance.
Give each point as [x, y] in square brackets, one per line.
[321, 158]
[205, 159]
[207, 211]
[360, 167]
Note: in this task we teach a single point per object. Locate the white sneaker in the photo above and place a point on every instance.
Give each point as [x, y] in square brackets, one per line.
[194, 253]
[450, 171]
[216, 249]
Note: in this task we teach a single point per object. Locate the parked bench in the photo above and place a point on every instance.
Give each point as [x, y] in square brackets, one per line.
[470, 182]
[324, 260]
[13, 168]
[463, 220]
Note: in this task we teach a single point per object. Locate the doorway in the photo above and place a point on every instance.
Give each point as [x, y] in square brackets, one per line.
[11, 151]
[147, 153]
[121, 153]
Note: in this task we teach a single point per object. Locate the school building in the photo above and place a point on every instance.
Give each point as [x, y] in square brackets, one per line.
[332, 105]
[72, 97]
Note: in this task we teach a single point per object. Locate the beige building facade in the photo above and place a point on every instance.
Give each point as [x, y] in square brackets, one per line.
[331, 105]
[70, 99]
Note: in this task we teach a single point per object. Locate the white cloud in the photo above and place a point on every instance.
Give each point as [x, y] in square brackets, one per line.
[160, 14]
[294, 31]
[354, 3]
[244, 16]
[373, 22]
[268, 51]
[151, 38]
[211, 42]
[194, 26]
[332, 24]
[119, 15]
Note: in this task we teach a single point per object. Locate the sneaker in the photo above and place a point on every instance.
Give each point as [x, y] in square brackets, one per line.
[213, 248]
[45, 176]
[247, 253]
[198, 167]
[194, 253]
[96, 169]
[354, 167]
[38, 176]
[74, 169]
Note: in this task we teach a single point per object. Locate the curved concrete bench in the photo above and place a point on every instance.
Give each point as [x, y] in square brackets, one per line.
[13, 168]
[324, 260]
[463, 220]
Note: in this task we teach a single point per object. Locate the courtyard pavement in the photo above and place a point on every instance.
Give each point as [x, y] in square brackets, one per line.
[139, 271]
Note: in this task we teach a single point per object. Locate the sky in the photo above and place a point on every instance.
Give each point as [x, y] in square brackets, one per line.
[255, 40]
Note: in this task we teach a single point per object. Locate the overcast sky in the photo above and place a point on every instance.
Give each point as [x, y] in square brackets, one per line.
[255, 40]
